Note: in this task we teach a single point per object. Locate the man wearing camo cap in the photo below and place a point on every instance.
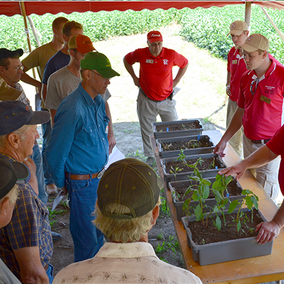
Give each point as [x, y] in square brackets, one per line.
[126, 210]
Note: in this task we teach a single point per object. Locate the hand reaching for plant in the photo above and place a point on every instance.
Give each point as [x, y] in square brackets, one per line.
[237, 170]
[267, 232]
[220, 148]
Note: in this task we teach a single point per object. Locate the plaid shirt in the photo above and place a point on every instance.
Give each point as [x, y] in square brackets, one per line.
[22, 98]
[29, 227]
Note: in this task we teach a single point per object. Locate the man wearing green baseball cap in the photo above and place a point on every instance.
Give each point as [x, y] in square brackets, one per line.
[78, 150]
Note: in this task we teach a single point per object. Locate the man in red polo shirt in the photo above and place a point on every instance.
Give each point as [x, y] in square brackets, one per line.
[235, 68]
[260, 108]
[155, 83]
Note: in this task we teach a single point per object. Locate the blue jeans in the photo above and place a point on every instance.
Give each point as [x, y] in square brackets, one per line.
[86, 237]
[46, 134]
[49, 273]
[36, 156]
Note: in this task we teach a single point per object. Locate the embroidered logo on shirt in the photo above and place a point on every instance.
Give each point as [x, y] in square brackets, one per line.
[150, 61]
[166, 61]
[269, 90]
[234, 61]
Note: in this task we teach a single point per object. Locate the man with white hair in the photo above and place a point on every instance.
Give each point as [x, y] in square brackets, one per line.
[127, 208]
[25, 243]
[11, 70]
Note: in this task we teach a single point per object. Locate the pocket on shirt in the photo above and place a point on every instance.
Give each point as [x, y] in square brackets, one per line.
[90, 135]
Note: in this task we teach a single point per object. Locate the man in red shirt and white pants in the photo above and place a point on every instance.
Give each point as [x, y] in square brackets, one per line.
[155, 83]
[260, 108]
[236, 67]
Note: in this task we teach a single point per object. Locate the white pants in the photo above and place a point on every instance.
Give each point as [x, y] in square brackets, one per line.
[266, 175]
[147, 112]
[236, 140]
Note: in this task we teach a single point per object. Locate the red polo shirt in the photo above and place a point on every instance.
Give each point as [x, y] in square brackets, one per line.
[277, 147]
[155, 75]
[237, 67]
[263, 110]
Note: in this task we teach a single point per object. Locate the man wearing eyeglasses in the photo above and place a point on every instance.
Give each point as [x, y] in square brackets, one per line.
[11, 70]
[155, 83]
[260, 108]
[78, 150]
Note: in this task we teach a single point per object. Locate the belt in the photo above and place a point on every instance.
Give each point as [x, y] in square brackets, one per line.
[264, 141]
[84, 177]
[169, 97]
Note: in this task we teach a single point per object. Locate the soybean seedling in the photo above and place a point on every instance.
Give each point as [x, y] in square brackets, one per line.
[250, 200]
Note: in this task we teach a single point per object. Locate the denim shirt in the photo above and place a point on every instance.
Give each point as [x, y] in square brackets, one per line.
[78, 143]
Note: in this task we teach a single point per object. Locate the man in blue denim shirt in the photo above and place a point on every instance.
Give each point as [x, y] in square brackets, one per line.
[78, 150]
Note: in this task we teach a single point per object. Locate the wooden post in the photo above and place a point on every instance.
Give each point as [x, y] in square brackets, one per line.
[248, 13]
[273, 24]
[23, 12]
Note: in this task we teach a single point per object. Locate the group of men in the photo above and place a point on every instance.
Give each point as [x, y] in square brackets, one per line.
[255, 86]
[78, 138]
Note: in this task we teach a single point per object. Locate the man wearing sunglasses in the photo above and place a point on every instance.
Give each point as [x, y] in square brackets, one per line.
[78, 150]
[260, 108]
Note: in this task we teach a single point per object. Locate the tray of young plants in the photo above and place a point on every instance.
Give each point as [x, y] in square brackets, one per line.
[177, 128]
[221, 235]
[186, 194]
[191, 145]
[182, 167]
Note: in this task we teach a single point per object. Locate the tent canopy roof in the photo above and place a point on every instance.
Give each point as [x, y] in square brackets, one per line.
[10, 8]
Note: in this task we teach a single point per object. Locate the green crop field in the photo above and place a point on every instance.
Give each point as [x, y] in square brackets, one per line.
[207, 28]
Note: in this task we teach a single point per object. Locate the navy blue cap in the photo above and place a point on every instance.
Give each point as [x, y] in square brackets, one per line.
[15, 114]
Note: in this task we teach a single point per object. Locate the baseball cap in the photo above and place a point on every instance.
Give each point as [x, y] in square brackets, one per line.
[10, 174]
[15, 114]
[237, 27]
[99, 62]
[8, 93]
[154, 36]
[5, 53]
[82, 43]
[129, 182]
[255, 42]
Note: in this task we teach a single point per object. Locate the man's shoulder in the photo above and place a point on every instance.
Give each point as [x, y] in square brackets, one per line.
[44, 47]
[59, 74]
[39, 51]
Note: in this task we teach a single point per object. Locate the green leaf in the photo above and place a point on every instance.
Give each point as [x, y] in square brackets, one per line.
[228, 179]
[198, 213]
[206, 191]
[239, 226]
[255, 201]
[233, 205]
[195, 196]
[218, 223]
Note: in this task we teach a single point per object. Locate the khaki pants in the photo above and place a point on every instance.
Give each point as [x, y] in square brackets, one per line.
[147, 112]
[266, 175]
[236, 140]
